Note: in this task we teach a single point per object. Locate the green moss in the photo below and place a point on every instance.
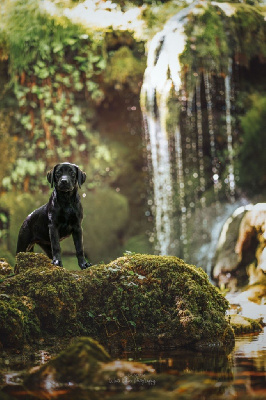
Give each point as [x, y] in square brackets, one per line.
[18, 321]
[54, 290]
[136, 300]
[242, 324]
[86, 364]
[78, 363]
[248, 32]
[153, 297]
[214, 37]
[207, 46]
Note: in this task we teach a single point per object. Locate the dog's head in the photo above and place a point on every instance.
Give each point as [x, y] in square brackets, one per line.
[65, 177]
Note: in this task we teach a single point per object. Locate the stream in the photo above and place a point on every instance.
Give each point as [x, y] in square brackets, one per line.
[241, 375]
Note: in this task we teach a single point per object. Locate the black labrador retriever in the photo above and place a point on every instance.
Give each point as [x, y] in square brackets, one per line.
[59, 218]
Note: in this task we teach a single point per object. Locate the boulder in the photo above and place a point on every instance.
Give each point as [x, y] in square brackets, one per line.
[5, 268]
[252, 238]
[242, 324]
[241, 252]
[18, 321]
[84, 363]
[136, 301]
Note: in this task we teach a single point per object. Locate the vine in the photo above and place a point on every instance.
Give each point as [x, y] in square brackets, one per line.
[51, 63]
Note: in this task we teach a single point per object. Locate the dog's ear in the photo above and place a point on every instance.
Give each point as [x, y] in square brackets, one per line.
[50, 176]
[81, 177]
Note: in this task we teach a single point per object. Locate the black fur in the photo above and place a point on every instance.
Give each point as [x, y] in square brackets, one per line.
[59, 218]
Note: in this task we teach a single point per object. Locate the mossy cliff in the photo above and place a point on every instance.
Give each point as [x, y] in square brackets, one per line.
[135, 301]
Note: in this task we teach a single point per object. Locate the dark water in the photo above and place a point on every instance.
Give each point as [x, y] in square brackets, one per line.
[182, 374]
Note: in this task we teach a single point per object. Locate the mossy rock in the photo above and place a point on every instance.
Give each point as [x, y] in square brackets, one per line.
[135, 301]
[84, 363]
[28, 261]
[18, 321]
[54, 291]
[5, 268]
[242, 324]
[75, 364]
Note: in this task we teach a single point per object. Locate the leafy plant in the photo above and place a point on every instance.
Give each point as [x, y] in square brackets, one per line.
[252, 170]
[51, 60]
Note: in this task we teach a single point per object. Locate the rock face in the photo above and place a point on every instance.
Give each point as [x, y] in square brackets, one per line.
[241, 252]
[252, 238]
[135, 301]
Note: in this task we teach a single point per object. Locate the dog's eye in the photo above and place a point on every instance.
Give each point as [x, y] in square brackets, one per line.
[72, 173]
[58, 173]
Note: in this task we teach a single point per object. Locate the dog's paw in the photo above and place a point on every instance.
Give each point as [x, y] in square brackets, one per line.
[85, 265]
[57, 263]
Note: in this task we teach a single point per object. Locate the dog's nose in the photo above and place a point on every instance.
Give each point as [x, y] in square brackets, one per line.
[64, 180]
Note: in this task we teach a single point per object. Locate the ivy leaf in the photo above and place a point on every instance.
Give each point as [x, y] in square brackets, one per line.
[71, 131]
[57, 47]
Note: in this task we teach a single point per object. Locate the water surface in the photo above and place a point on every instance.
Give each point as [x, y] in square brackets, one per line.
[183, 374]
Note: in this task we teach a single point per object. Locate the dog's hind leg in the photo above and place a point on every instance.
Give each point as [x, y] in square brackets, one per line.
[25, 242]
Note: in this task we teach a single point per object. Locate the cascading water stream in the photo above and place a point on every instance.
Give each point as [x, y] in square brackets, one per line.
[181, 184]
[202, 182]
[162, 72]
[215, 175]
[178, 158]
[231, 175]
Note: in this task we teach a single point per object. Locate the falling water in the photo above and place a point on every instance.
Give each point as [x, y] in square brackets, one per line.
[202, 182]
[161, 76]
[231, 175]
[215, 175]
[178, 155]
[181, 183]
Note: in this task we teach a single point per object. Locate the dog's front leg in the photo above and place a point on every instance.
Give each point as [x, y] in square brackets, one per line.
[55, 245]
[78, 242]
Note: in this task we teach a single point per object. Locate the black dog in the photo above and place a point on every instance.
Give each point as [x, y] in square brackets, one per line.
[59, 218]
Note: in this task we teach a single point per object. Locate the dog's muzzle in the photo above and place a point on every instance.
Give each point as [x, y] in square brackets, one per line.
[65, 185]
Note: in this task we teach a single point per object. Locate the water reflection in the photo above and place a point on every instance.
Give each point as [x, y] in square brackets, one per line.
[183, 374]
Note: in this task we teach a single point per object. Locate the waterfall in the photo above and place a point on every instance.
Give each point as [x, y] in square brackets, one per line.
[183, 164]
[200, 142]
[181, 183]
[231, 174]
[215, 174]
[161, 76]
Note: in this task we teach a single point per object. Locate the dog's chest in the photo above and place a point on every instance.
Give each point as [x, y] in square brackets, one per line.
[67, 218]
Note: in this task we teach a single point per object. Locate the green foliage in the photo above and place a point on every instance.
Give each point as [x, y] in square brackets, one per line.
[106, 215]
[124, 68]
[252, 155]
[18, 206]
[7, 144]
[207, 47]
[50, 62]
[248, 32]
